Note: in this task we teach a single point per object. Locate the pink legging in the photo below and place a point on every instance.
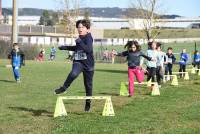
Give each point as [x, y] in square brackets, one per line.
[139, 76]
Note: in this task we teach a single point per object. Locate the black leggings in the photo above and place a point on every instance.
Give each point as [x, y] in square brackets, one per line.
[168, 68]
[159, 74]
[182, 69]
[196, 64]
[151, 73]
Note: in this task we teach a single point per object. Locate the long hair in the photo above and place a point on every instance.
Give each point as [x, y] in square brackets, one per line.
[130, 43]
[195, 52]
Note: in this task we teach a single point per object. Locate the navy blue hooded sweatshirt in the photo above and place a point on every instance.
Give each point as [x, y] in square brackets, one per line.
[84, 44]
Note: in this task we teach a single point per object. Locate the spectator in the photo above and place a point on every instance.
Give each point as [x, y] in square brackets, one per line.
[113, 54]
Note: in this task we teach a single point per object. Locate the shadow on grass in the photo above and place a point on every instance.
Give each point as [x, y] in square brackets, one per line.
[33, 111]
[8, 81]
[111, 71]
[196, 83]
[110, 94]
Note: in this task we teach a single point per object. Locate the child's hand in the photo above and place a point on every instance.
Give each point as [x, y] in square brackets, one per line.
[139, 67]
[145, 72]
[154, 60]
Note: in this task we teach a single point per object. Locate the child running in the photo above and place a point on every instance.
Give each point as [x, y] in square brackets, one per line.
[83, 60]
[160, 64]
[17, 59]
[169, 60]
[133, 55]
[183, 61]
[196, 59]
[151, 65]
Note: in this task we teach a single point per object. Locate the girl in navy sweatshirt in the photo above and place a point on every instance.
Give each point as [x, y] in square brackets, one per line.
[134, 59]
[83, 60]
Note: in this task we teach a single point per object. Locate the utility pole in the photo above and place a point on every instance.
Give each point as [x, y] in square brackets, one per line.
[14, 22]
[1, 16]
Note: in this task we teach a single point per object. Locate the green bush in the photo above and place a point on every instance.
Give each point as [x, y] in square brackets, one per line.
[30, 51]
[4, 49]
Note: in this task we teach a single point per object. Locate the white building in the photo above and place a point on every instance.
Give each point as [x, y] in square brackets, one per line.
[117, 23]
[24, 20]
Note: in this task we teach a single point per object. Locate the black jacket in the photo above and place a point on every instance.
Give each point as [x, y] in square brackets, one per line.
[84, 44]
[133, 58]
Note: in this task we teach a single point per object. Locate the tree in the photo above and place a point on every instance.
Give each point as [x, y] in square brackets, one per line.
[70, 13]
[55, 18]
[48, 19]
[45, 18]
[146, 10]
[86, 14]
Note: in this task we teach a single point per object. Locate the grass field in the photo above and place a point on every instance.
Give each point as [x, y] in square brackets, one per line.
[28, 107]
[164, 33]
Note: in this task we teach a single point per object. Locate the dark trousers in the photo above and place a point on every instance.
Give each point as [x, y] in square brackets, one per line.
[77, 68]
[151, 73]
[168, 68]
[196, 64]
[182, 69]
[159, 74]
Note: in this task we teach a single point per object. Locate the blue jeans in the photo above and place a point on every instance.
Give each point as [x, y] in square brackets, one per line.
[16, 72]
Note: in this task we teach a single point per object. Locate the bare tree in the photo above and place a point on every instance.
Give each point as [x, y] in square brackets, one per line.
[146, 10]
[69, 12]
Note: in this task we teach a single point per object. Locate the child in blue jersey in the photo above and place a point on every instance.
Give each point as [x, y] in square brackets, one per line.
[196, 59]
[52, 53]
[17, 59]
[183, 61]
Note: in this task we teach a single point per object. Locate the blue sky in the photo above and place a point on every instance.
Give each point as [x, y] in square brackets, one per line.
[189, 8]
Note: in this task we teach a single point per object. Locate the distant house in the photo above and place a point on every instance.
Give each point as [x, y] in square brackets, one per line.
[23, 20]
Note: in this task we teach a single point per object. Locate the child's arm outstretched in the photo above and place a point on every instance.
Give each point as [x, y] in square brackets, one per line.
[70, 48]
[125, 53]
[145, 56]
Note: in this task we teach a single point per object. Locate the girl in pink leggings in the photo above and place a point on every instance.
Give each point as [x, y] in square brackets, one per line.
[134, 59]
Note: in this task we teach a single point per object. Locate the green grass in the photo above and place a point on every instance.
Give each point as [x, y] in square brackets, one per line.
[164, 33]
[28, 107]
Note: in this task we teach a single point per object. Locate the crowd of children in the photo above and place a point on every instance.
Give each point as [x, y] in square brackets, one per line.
[109, 56]
[158, 63]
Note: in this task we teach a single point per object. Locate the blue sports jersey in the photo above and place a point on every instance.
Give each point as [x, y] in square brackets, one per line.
[53, 51]
[183, 58]
[196, 58]
[17, 58]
